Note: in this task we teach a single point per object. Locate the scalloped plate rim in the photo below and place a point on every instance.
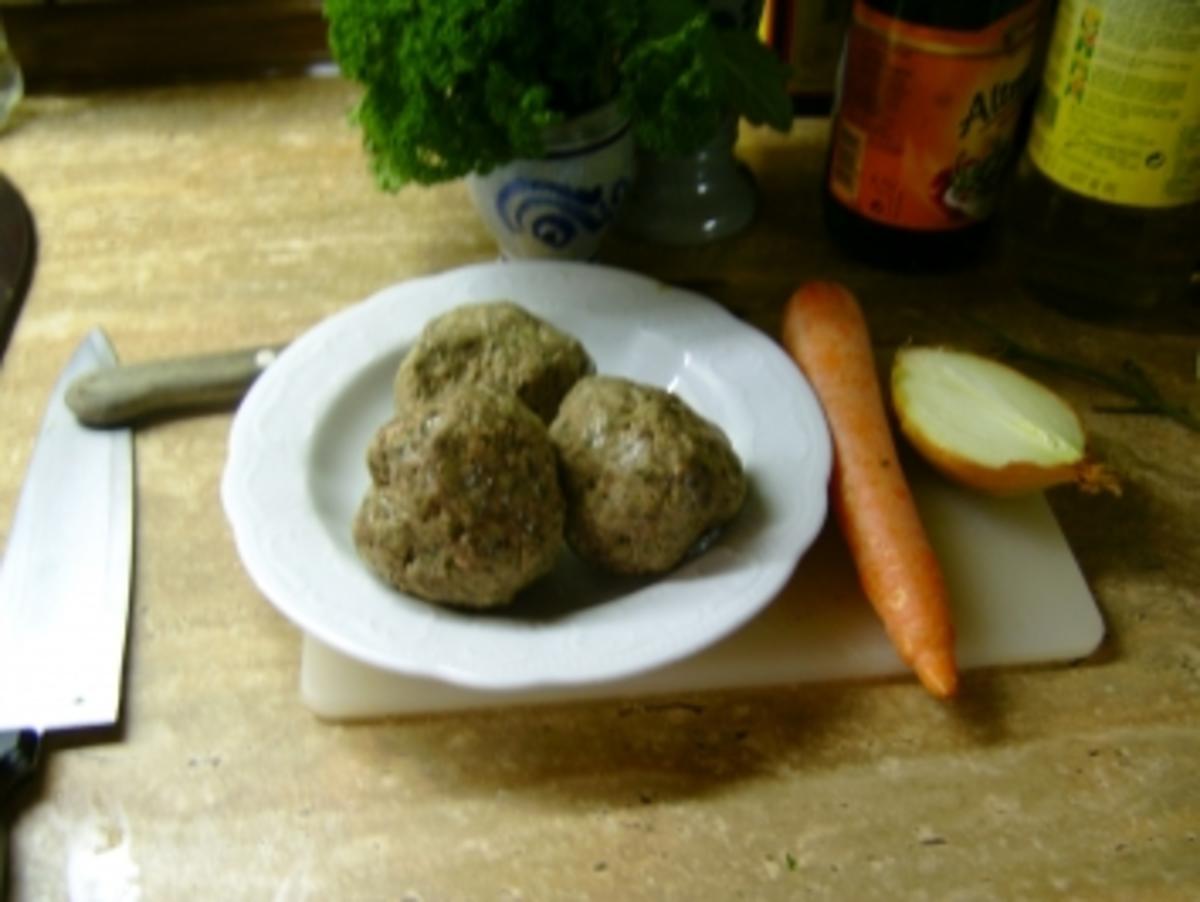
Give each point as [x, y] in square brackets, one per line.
[788, 446]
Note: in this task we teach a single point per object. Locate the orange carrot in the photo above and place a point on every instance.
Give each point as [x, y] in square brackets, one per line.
[826, 334]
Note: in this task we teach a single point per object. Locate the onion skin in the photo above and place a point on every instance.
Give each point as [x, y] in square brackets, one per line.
[1011, 479]
[1017, 477]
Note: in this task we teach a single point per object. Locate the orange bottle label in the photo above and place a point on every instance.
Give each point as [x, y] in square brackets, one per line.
[924, 123]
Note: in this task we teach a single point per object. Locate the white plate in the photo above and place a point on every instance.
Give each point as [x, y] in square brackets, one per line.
[296, 472]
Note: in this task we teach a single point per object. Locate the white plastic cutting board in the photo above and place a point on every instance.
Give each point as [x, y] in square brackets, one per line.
[1018, 597]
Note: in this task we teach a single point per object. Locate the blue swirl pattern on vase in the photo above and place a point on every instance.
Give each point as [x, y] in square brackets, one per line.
[553, 212]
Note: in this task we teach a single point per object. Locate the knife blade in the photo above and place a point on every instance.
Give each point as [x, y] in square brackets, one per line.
[18, 244]
[65, 582]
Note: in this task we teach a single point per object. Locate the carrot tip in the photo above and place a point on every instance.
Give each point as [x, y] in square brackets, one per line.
[938, 677]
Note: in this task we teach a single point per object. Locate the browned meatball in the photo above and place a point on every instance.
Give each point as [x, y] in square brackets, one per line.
[645, 475]
[465, 506]
[498, 345]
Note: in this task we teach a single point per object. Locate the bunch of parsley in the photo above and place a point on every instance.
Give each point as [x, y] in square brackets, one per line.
[459, 86]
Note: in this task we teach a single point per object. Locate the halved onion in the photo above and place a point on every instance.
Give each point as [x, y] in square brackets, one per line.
[988, 426]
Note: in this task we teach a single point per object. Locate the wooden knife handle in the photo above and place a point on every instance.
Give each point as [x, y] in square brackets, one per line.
[121, 395]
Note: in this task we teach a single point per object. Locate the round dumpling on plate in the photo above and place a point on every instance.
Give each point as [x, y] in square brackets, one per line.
[645, 476]
[498, 345]
[465, 506]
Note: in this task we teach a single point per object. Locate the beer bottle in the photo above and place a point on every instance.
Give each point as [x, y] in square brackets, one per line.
[925, 126]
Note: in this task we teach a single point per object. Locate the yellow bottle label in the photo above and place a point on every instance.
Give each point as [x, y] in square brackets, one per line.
[1118, 116]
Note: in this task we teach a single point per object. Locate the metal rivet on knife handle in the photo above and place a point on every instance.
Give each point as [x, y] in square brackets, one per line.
[125, 394]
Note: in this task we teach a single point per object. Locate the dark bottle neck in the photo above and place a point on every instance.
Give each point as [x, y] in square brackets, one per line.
[955, 15]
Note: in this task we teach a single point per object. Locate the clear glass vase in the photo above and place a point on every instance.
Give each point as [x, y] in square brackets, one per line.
[692, 199]
[696, 198]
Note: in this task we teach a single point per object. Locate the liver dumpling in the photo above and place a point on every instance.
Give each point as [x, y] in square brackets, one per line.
[645, 476]
[465, 506]
[498, 345]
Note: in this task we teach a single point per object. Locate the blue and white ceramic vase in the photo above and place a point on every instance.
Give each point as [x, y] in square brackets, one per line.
[560, 205]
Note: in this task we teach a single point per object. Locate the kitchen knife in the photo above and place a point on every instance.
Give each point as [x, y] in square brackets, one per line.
[64, 583]
[17, 251]
[123, 395]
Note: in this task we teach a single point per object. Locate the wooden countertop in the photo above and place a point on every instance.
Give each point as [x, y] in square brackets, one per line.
[206, 217]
